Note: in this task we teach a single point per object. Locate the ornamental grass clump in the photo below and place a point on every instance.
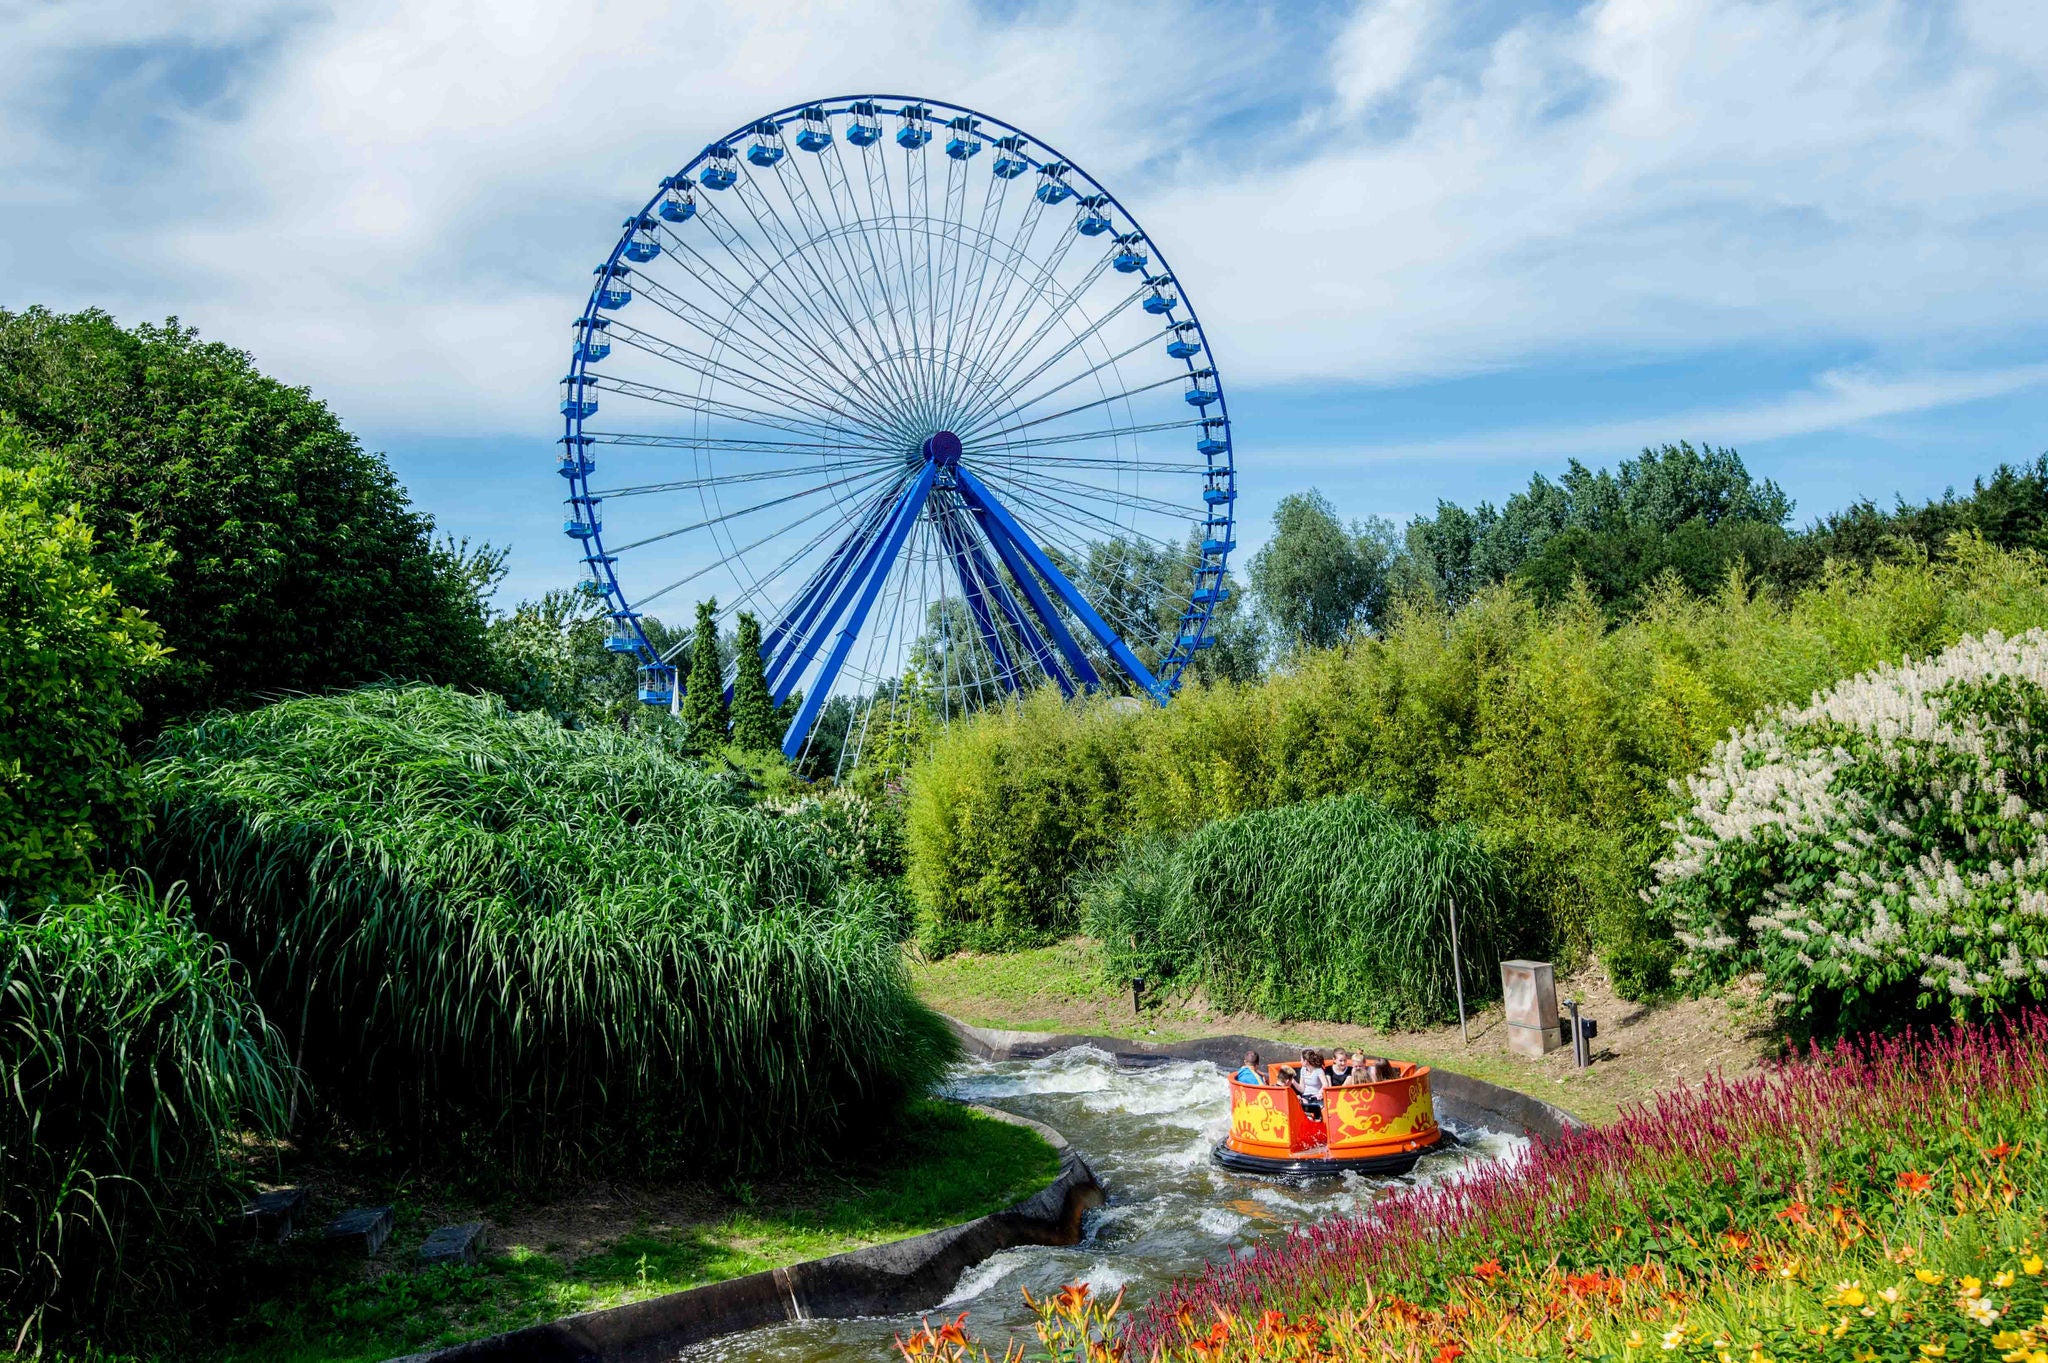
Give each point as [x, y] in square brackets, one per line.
[481, 931]
[1883, 847]
[131, 1058]
[1336, 909]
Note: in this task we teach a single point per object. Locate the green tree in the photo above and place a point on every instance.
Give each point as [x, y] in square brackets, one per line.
[71, 656]
[295, 561]
[1694, 511]
[704, 715]
[753, 711]
[1316, 580]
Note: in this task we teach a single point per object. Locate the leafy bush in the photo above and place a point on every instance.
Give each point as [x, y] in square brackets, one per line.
[71, 654]
[483, 930]
[1334, 909]
[294, 560]
[133, 1054]
[1003, 812]
[1884, 842]
[1552, 730]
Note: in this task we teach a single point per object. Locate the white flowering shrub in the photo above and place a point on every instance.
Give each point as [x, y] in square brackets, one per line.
[1883, 847]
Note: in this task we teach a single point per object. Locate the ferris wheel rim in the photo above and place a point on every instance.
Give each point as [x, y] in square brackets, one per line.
[1038, 154]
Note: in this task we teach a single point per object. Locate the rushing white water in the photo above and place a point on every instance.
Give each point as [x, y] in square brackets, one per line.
[1147, 1132]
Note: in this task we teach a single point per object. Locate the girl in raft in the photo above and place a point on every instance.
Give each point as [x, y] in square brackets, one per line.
[1309, 1080]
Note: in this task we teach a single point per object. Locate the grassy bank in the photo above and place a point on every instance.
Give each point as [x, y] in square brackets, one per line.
[596, 1245]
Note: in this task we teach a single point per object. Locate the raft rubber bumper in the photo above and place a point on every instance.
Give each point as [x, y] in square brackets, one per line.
[1390, 1165]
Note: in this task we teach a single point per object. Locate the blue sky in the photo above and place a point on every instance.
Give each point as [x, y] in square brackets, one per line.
[1437, 246]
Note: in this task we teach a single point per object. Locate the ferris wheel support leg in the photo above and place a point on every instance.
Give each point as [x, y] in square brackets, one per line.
[977, 603]
[978, 495]
[874, 571]
[1041, 652]
[794, 628]
[1041, 605]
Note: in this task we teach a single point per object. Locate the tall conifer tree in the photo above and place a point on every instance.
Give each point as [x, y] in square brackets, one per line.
[753, 712]
[704, 717]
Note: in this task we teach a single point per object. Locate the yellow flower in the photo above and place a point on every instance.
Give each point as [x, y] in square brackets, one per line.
[1674, 1338]
[2031, 1265]
[1928, 1276]
[1934, 1349]
[1970, 1287]
[1634, 1340]
[1789, 1269]
[1848, 1294]
[1758, 1356]
[2006, 1339]
[2002, 1278]
[1841, 1327]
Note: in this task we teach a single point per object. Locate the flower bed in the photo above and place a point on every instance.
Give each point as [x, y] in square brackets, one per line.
[1881, 1200]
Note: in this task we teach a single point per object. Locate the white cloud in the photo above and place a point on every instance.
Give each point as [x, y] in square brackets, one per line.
[1836, 399]
[400, 202]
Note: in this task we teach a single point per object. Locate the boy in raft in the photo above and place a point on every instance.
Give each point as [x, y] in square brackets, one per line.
[1248, 1072]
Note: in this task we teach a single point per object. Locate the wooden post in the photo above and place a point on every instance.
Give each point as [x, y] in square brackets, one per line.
[1458, 976]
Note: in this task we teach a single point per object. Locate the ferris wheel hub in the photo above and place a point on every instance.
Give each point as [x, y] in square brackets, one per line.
[943, 449]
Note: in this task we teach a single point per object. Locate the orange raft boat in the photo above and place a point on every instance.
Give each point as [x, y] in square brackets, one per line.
[1380, 1128]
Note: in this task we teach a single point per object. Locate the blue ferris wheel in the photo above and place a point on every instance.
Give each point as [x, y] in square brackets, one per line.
[917, 392]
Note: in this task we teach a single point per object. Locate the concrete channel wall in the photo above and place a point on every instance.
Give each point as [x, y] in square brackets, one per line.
[915, 1274]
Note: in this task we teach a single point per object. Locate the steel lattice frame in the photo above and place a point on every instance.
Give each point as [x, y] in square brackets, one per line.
[922, 403]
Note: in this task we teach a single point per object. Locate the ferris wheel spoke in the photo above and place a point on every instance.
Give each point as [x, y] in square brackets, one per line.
[906, 273]
[1137, 502]
[889, 278]
[1030, 494]
[996, 304]
[1040, 286]
[1027, 282]
[1012, 410]
[1074, 342]
[810, 470]
[760, 285]
[768, 352]
[730, 411]
[767, 279]
[1044, 293]
[1084, 407]
[1030, 450]
[839, 190]
[736, 444]
[803, 255]
[865, 326]
[751, 384]
[697, 574]
[724, 517]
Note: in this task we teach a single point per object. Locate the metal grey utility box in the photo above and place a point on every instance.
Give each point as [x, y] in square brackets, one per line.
[1529, 989]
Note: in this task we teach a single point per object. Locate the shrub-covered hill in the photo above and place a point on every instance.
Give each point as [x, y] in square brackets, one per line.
[479, 930]
[1554, 731]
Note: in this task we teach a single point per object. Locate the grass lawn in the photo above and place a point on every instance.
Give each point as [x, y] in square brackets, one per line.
[1640, 1049]
[602, 1246]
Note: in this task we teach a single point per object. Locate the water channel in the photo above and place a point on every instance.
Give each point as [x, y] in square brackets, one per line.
[1147, 1132]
